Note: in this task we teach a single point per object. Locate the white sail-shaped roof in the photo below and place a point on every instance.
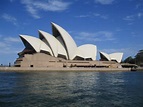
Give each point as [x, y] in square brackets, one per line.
[60, 44]
[87, 51]
[114, 56]
[53, 43]
[65, 39]
[36, 43]
[106, 55]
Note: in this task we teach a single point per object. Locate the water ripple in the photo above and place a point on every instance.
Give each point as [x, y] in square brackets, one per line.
[71, 89]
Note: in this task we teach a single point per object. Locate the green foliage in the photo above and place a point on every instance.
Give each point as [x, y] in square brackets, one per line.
[138, 59]
[130, 60]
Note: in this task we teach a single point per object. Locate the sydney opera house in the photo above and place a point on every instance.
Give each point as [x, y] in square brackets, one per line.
[111, 57]
[60, 50]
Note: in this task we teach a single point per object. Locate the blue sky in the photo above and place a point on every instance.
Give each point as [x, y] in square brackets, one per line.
[111, 25]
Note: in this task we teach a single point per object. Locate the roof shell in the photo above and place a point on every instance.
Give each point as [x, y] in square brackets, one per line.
[116, 56]
[54, 44]
[106, 55]
[36, 43]
[65, 40]
[86, 51]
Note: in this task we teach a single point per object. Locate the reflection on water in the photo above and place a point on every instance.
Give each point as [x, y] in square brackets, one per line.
[71, 89]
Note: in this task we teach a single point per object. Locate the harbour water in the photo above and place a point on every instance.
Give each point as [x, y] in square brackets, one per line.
[71, 89]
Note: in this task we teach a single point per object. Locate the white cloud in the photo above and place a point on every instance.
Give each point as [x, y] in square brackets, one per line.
[98, 36]
[9, 18]
[5, 48]
[9, 45]
[133, 17]
[9, 50]
[104, 2]
[34, 6]
[2, 45]
[33, 11]
[12, 39]
[83, 16]
[139, 15]
[52, 5]
[129, 18]
[114, 50]
[93, 15]
[100, 16]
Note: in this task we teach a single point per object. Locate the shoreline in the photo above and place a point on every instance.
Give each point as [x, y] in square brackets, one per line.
[32, 69]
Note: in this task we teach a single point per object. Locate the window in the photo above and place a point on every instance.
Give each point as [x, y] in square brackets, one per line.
[31, 65]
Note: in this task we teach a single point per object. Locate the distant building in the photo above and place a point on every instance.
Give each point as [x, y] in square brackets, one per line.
[59, 50]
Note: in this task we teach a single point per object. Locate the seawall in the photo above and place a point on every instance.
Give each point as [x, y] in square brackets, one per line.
[28, 69]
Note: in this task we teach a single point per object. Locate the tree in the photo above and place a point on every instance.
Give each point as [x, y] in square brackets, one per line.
[137, 60]
[129, 60]
[139, 57]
